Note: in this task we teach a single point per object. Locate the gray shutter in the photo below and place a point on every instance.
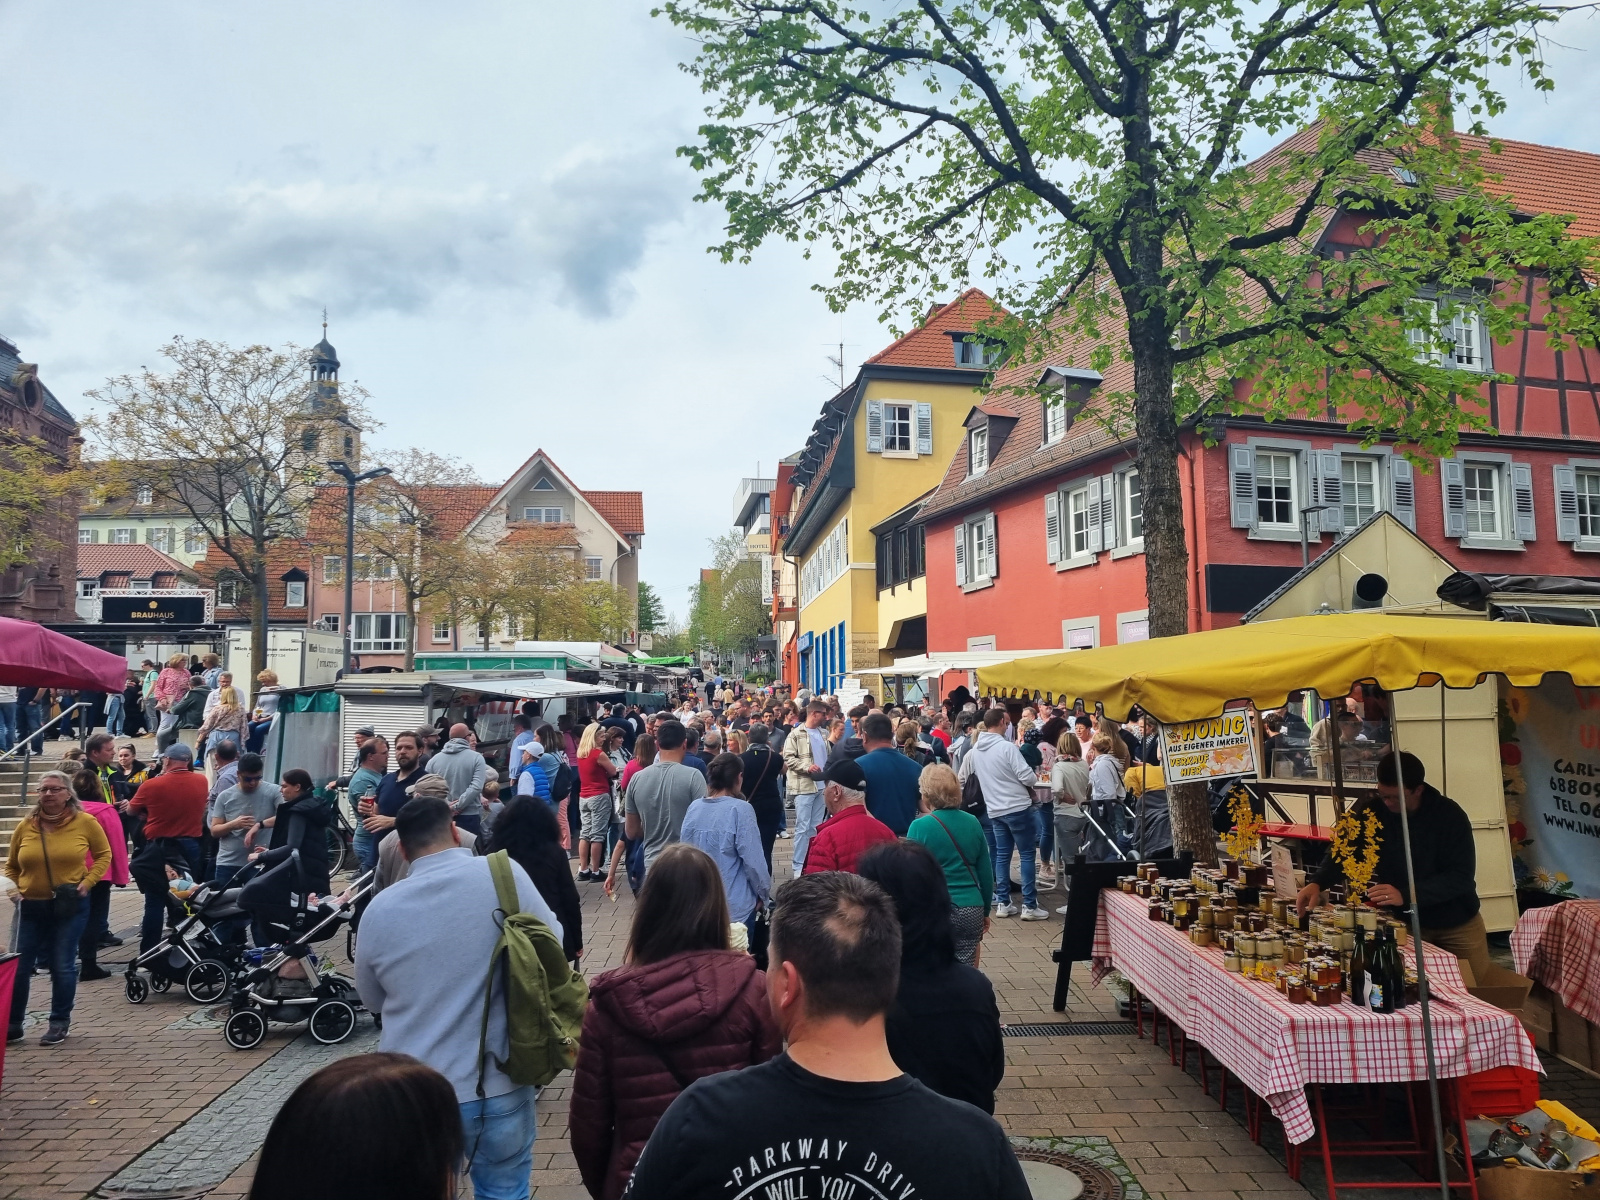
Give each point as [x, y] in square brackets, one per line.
[989, 545]
[1108, 511]
[961, 554]
[1052, 527]
[924, 427]
[1331, 474]
[874, 426]
[1242, 486]
[1522, 501]
[1455, 498]
[1096, 535]
[1403, 492]
[1566, 503]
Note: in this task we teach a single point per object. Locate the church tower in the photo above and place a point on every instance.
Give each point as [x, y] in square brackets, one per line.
[325, 432]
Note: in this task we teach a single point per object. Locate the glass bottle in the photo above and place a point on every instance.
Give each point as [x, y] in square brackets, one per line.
[1357, 975]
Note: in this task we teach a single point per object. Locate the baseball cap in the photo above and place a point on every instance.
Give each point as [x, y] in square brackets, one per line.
[533, 749]
[847, 773]
[367, 731]
[178, 752]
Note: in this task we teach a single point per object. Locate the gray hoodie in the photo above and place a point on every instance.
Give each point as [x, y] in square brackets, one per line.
[1005, 776]
[465, 770]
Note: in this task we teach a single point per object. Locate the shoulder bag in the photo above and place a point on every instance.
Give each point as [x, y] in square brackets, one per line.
[972, 791]
[971, 874]
[64, 898]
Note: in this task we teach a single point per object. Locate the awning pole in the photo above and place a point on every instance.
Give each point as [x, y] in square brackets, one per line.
[1416, 942]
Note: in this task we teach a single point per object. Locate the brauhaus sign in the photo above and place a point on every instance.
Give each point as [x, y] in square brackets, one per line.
[153, 610]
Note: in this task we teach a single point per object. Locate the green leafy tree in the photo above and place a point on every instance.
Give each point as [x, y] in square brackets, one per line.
[1086, 158]
[728, 614]
[652, 613]
[35, 485]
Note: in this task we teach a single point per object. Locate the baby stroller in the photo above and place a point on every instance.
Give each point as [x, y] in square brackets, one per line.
[278, 904]
[192, 953]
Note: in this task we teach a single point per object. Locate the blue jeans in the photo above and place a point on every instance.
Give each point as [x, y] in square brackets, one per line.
[28, 721]
[155, 903]
[8, 726]
[366, 847]
[498, 1134]
[1015, 831]
[114, 715]
[809, 812]
[45, 938]
[1044, 821]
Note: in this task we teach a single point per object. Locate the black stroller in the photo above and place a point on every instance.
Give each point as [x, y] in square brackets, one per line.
[192, 953]
[280, 908]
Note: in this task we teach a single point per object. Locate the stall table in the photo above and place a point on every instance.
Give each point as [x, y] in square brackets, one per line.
[1278, 1049]
[1559, 946]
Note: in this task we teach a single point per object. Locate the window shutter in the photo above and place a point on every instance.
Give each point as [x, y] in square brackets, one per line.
[1242, 486]
[924, 427]
[1522, 501]
[1052, 527]
[989, 545]
[961, 555]
[1096, 534]
[1455, 498]
[1403, 492]
[874, 426]
[1332, 477]
[1108, 512]
[1566, 503]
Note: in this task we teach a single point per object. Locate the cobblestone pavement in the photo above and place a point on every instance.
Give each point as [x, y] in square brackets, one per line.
[148, 1098]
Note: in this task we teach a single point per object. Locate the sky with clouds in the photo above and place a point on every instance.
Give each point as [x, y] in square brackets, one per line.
[486, 198]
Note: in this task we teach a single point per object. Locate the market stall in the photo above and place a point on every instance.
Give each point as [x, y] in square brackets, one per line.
[1201, 676]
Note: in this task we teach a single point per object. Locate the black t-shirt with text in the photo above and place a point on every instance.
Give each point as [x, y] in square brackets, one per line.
[778, 1132]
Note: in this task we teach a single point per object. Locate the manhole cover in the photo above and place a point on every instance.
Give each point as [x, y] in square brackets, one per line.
[1052, 1175]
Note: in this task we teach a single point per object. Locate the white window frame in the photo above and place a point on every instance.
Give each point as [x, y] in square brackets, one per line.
[122, 536]
[900, 429]
[365, 635]
[1347, 490]
[161, 537]
[1055, 421]
[1591, 540]
[1497, 490]
[194, 539]
[145, 495]
[294, 593]
[1127, 541]
[979, 551]
[88, 589]
[1296, 506]
[227, 593]
[332, 569]
[592, 564]
[1426, 333]
[1070, 551]
[828, 561]
[978, 450]
[88, 537]
[441, 630]
[543, 514]
[1074, 629]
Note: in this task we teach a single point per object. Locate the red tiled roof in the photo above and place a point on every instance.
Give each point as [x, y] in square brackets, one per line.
[453, 508]
[550, 536]
[282, 556]
[1544, 179]
[623, 511]
[132, 558]
[930, 344]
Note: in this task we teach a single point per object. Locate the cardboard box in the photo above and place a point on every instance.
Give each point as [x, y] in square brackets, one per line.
[1499, 987]
[1539, 1017]
[1572, 1036]
[1529, 1183]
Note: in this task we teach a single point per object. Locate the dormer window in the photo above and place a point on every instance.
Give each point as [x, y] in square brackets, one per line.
[977, 451]
[973, 351]
[543, 516]
[1055, 421]
[147, 494]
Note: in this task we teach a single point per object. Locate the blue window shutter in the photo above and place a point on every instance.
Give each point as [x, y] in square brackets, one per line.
[874, 426]
[1241, 487]
[924, 427]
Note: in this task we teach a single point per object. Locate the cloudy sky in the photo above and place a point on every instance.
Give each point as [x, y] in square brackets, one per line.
[485, 197]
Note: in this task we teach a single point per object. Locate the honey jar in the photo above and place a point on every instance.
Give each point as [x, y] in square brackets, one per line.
[1344, 917]
[1141, 888]
[1207, 915]
[1200, 935]
[1280, 979]
[1245, 942]
[1280, 911]
[1125, 883]
[1148, 870]
[1182, 904]
[1230, 961]
[1328, 997]
[1295, 989]
[1294, 950]
[1152, 909]
[1222, 916]
[1329, 973]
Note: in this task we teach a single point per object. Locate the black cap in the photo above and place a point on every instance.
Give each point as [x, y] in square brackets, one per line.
[847, 773]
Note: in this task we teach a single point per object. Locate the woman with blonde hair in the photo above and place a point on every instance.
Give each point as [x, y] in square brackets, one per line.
[58, 853]
[908, 740]
[958, 845]
[171, 686]
[595, 772]
[1069, 784]
[224, 723]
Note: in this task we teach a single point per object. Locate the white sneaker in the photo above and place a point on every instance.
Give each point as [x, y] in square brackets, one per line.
[1035, 914]
[1005, 910]
[1062, 910]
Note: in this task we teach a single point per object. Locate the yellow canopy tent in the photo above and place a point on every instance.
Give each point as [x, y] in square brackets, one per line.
[1198, 674]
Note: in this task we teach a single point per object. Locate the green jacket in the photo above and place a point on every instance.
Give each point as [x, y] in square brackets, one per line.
[956, 841]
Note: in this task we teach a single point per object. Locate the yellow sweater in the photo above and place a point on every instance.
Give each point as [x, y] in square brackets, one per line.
[80, 838]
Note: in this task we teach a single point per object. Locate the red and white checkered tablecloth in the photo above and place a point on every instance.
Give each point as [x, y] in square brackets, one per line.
[1559, 946]
[1276, 1048]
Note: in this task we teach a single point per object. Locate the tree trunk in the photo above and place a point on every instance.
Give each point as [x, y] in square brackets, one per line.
[260, 587]
[1166, 553]
[414, 605]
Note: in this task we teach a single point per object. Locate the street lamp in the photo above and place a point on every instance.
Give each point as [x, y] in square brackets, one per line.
[342, 469]
[1305, 531]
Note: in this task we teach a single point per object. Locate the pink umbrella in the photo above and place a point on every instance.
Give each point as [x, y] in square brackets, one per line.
[33, 656]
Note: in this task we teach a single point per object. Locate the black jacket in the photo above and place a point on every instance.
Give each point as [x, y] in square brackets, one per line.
[191, 709]
[553, 877]
[762, 770]
[1444, 857]
[303, 824]
[944, 1029]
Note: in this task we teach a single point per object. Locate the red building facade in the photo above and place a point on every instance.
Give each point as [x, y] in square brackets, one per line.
[1034, 539]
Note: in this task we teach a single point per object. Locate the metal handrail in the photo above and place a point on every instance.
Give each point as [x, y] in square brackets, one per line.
[27, 742]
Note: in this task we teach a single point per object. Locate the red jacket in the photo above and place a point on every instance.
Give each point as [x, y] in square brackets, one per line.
[649, 1032]
[174, 804]
[843, 838]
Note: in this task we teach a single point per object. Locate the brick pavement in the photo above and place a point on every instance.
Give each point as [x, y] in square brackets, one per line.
[72, 1118]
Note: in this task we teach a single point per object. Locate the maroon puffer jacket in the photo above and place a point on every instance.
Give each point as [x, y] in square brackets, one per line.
[649, 1032]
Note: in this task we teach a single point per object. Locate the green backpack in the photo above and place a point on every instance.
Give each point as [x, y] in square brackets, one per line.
[544, 996]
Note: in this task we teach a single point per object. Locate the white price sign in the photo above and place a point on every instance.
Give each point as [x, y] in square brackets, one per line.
[1216, 748]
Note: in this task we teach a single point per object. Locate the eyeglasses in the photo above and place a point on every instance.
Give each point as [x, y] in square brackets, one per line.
[51, 788]
[249, 779]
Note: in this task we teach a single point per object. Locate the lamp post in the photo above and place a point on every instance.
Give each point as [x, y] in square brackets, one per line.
[342, 469]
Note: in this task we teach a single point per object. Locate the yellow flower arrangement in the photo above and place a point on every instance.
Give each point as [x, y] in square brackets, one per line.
[1355, 849]
[1243, 839]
